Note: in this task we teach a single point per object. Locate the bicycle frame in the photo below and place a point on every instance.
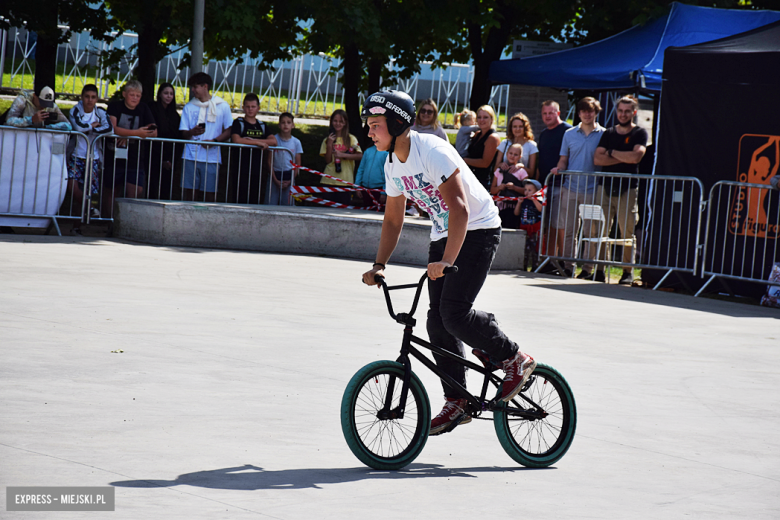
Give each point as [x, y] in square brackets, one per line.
[477, 404]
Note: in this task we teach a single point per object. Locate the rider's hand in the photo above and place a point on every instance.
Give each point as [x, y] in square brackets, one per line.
[368, 277]
[436, 269]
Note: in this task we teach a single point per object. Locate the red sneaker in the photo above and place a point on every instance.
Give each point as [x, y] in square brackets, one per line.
[452, 411]
[517, 369]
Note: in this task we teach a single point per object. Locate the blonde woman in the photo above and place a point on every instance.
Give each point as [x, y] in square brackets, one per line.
[484, 146]
[427, 121]
[518, 131]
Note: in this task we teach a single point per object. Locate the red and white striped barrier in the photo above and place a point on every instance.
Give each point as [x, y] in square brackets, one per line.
[540, 195]
[355, 186]
[331, 204]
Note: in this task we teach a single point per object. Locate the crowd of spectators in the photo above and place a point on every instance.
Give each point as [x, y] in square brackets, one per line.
[513, 169]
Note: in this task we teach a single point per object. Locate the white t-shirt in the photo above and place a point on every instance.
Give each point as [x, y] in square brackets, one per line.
[528, 148]
[189, 119]
[282, 159]
[431, 162]
[81, 145]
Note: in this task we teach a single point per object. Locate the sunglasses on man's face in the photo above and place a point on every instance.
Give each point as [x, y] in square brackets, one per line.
[427, 111]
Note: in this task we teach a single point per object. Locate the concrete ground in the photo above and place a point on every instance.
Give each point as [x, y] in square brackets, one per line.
[206, 384]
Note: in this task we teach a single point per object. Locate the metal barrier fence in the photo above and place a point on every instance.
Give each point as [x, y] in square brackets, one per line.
[188, 170]
[47, 174]
[592, 213]
[35, 186]
[306, 84]
[743, 232]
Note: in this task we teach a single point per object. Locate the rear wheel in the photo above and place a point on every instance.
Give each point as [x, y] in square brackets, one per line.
[374, 436]
[540, 442]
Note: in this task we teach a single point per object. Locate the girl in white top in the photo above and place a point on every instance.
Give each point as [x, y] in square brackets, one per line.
[518, 131]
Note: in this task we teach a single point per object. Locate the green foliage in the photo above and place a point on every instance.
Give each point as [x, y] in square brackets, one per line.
[78, 15]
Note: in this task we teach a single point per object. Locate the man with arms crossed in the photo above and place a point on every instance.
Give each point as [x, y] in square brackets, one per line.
[620, 150]
[549, 147]
[466, 232]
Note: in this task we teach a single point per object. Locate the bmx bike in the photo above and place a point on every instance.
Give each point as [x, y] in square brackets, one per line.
[386, 413]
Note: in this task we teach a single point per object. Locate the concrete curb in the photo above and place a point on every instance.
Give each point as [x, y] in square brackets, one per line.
[278, 229]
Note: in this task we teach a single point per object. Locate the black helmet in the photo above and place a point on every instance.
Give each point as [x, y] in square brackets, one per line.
[395, 105]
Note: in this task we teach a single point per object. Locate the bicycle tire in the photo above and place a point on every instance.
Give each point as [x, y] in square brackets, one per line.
[542, 442]
[387, 444]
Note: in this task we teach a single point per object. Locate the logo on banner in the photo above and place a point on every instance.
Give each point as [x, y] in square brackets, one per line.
[759, 161]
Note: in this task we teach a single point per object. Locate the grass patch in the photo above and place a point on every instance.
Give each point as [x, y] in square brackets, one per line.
[311, 137]
[272, 100]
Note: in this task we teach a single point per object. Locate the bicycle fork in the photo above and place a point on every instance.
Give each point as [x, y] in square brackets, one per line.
[387, 412]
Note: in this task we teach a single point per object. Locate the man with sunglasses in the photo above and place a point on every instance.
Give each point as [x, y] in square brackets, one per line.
[466, 231]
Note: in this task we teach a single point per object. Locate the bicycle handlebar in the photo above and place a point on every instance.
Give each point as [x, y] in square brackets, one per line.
[381, 281]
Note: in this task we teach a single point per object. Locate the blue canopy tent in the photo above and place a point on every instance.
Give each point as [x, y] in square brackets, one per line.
[633, 59]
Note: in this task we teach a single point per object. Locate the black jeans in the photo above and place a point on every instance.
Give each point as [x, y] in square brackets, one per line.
[451, 319]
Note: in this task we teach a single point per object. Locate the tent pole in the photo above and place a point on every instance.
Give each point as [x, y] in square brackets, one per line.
[656, 107]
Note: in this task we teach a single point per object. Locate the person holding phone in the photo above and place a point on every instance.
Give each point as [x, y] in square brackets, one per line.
[36, 109]
[205, 118]
[465, 232]
[125, 158]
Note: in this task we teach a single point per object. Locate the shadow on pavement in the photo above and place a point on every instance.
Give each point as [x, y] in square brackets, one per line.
[249, 477]
[640, 295]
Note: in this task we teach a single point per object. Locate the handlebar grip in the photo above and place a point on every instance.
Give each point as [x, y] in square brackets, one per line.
[379, 279]
[451, 269]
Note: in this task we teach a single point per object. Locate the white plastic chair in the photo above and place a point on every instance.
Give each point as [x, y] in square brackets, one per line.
[594, 212]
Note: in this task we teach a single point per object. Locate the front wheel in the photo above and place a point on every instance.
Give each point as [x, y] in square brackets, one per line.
[540, 442]
[372, 429]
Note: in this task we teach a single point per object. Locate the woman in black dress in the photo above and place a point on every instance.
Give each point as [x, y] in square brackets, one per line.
[484, 145]
[164, 156]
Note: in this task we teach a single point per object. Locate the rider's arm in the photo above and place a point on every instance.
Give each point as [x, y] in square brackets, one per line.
[454, 195]
[391, 228]
[392, 225]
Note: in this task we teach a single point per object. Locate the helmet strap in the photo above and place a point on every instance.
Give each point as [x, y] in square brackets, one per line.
[392, 149]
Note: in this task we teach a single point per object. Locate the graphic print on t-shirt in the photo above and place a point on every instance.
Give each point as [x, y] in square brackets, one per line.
[256, 133]
[128, 121]
[427, 197]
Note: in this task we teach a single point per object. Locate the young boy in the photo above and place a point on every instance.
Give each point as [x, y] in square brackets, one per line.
[246, 165]
[205, 118]
[37, 109]
[467, 128]
[465, 232]
[93, 121]
[530, 213]
[129, 118]
[283, 172]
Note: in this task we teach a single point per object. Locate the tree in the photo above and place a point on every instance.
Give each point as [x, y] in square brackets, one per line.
[482, 30]
[159, 24]
[43, 16]
[366, 35]
[231, 29]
